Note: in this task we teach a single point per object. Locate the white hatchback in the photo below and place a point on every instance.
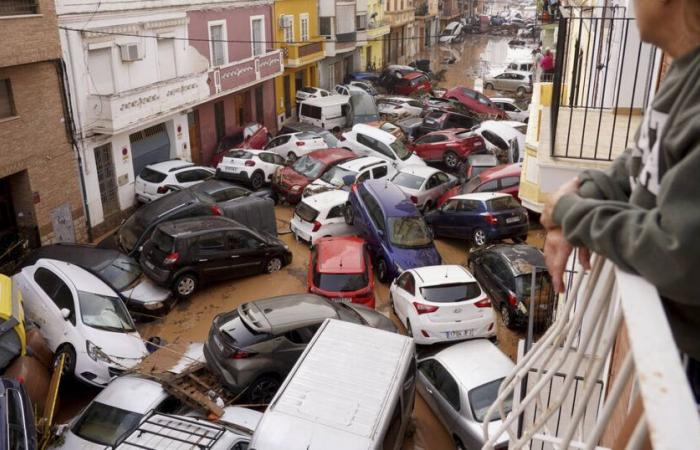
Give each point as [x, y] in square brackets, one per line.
[154, 180]
[320, 216]
[441, 304]
[366, 140]
[311, 92]
[295, 145]
[254, 167]
[424, 185]
[81, 317]
[513, 111]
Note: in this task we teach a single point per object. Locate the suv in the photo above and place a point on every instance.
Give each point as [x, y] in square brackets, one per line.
[16, 417]
[184, 253]
[296, 127]
[366, 140]
[396, 234]
[340, 269]
[415, 83]
[439, 119]
[482, 217]
[518, 82]
[450, 146]
[353, 171]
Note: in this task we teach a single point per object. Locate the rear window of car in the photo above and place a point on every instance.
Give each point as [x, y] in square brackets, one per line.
[105, 424]
[306, 212]
[501, 203]
[450, 293]
[163, 241]
[340, 282]
[311, 111]
[237, 332]
[408, 181]
[307, 135]
[239, 154]
[152, 176]
[308, 90]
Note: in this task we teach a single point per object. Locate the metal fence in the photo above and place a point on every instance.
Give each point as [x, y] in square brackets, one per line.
[604, 75]
[18, 7]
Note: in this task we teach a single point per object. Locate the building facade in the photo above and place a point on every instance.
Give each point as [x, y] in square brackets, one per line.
[427, 27]
[449, 12]
[377, 29]
[400, 44]
[40, 194]
[296, 33]
[338, 26]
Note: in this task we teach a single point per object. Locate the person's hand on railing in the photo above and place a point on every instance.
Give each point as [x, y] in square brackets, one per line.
[570, 187]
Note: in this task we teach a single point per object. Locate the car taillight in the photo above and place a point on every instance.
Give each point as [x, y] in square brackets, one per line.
[240, 354]
[477, 143]
[216, 210]
[317, 226]
[250, 163]
[424, 309]
[414, 199]
[171, 258]
[163, 189]
[483, 303]
[512, 299]
[491, 219]
[300, 143]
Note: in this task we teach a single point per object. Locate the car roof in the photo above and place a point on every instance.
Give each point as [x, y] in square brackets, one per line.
[301, 126]
[412, 75]
[192, 225]
[504, 170]
[521, 257]
[374, 132]
[331, 155]
[132, 393]
[449, 132]
[333, 99]
[474, 363]
[444, 274]
[503, 99]
[363, 162]
[480, 196]
[83, 255]
[420, 171]
[392, 199]
[170, 166]
[278, 315]
[395, 98]
[327, 199]
[212, 185]
[343, 254]
[86, 280]
[504, 128]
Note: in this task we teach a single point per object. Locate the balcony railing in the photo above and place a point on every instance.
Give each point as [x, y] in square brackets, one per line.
[602, 80]
[607, 374]
[18, 7]
[299, 54]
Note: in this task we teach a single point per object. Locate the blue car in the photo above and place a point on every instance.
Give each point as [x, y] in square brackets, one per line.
[482, 217]
[397, 236]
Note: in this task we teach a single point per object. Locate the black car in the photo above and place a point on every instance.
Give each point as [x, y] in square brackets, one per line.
[17, 430]
[505, 272]
[439, 119]
[185, 253]
[120, 271]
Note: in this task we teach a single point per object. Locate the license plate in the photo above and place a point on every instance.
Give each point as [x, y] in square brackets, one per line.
[513, 219]
[459, 333]
[230, 169]
[343, 299]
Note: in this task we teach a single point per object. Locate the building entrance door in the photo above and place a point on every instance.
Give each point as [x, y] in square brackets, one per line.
[107, 180]
[287, 97]
[195, 143]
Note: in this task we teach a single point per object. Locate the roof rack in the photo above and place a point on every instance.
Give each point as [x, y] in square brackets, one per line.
[159, 430]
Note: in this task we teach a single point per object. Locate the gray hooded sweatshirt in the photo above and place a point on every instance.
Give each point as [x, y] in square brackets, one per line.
[644, 212]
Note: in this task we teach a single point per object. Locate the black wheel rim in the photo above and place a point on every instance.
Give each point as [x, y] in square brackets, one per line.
[256, 180]
[451, 160]
[264, 390]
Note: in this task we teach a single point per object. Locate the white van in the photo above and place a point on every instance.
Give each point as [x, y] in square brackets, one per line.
[366, 140]
[352, 388]
[329, 112]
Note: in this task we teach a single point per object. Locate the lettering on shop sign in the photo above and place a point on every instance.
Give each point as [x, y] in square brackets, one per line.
[146, 99]
[237, 72]
[270, 62]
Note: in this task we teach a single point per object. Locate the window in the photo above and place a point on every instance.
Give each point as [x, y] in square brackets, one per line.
[441, 379]
[481, 398]
[218, 51]
[304, 27]
[7, 105]
[211, 243]
[17, 431]
[361, 22]
[494, 139]
[220, 120]
[302, 335]
[380, 172]
[489, 186]
[242, 240]
[257, 35]
[469, 206]
[166, 58]
[56, 289]
[407, 283]
[441, 178]
[509, 182]
[325, 26]
[192, 176]
[451, 205]
[362, 177]
[289, 31]
[100, 70]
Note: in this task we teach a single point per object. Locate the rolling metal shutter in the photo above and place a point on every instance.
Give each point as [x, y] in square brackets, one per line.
[149, 146]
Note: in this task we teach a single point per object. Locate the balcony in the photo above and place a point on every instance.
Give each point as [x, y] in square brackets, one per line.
[242, 74]
[114, 113]
[607, 374]
[18, 7]
[297, 55]
[399, 18]
[376, 29]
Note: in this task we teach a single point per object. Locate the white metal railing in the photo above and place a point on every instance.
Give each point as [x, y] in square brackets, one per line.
[563, 394]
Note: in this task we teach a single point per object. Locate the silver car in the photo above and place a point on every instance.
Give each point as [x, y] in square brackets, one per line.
[424, 185]
[510, 81]
[459, 384]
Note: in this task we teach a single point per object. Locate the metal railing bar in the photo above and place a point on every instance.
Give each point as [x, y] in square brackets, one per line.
[634, 91]
[619, 88]
[588, 87]
[573, 88]
[605, 83]
[555, 441]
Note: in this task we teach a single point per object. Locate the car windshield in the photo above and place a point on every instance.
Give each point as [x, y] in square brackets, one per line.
[306, 212]
[308, 90]
[450, 293]
[309, 167]
[129, 233]
[347, 314]
[121, 273]
[341, 282]
[408, 181]
[481, 398]
[409, 232]
[104, 312]
[401, 151]
[331, 141]
[335, 176]
[364, 107]
[152, 176]
[543, 284]
[105, 424]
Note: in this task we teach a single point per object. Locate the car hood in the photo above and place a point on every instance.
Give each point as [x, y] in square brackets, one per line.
[146, 291]
[127, 349]
[291, 177]
[373, 318]
[409, 258]
[320, 186]
[413, 160]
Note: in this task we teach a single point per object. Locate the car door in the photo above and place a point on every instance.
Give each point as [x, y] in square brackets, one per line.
[499, 81]
[246, 251]
[403, 294]
[447, 397]
[484, 270]
[501, 280]
[467, 218]
[380, 172]
[270, 163]
[364, 145]
[53, 294]
[210, 256]
[444, 222]
[442, 185]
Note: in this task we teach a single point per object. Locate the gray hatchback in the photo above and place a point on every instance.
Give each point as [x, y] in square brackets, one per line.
[252, 348]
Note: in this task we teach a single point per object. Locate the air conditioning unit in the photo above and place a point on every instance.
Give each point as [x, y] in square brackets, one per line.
[131, 52]
[285, 21]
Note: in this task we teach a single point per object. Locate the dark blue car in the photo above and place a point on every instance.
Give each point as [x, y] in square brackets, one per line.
[397, 236]
[17, 429]
[482, 217]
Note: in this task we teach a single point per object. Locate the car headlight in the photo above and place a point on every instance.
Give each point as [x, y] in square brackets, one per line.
[95, 353]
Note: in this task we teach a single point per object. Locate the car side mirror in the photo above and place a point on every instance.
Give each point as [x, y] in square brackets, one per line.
[65, 313]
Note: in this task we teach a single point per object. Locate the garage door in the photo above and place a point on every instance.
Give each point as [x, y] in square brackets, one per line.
[149, 146]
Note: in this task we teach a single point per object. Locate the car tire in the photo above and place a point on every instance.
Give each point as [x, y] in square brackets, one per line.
[451, 160]
[262, 390]
[479, 237]
[273, 264]
[257, 180]
[488, 86]
[185, 285]
[69, 362]
[520, 92]
[507, 317]
[382, 271]
[348, 214]
[291, 157]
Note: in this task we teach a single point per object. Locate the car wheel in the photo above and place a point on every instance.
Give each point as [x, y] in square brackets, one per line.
[348, 214]
[68, 362]
[291, 157]
[458, 444]
[263, 390]
[520, 91]
[382, 271]
[409, 330]
[185, 285]
[507, 317]
[273, 264]
[451, 160]
[257, 180]
[479, 237]
[488, 86]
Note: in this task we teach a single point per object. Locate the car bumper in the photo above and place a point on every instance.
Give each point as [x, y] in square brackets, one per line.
[302, 235]
[482, 327]
[284, 193]
[230, 176]
[160, 276]
[97, 373]
[146, 198]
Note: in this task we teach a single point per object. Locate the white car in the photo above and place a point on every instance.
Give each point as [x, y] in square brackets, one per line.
[513, 111]
[399, 107]
[355, 170]
[366, 140]
[311, 92]
[254, 167]
[441, 304]
[346, 89]
[320, 216]
[504, 136]
[294, 145]
[512, 81]
[81, 317]
[424, 185]
[451, 33]
[154, 180]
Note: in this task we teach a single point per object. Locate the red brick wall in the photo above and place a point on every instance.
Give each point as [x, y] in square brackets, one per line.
[30, 39]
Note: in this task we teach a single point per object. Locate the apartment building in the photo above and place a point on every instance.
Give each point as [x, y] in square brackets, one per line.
[338, 22]
[400, 45]
[427, 26]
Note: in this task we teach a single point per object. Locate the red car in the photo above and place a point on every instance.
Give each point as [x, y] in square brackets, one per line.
[253, 135]
[450, 146]
[475, 101]
[289, 182]
[413, 83]
[340, 269]
[504, 178]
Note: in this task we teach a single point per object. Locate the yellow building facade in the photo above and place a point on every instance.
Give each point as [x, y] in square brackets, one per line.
[295, 24]
[377, 30]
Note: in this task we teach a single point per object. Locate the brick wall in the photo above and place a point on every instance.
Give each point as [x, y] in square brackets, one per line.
[27, 39]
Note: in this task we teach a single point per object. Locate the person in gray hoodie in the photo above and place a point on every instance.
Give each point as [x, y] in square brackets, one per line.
[643, 214]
